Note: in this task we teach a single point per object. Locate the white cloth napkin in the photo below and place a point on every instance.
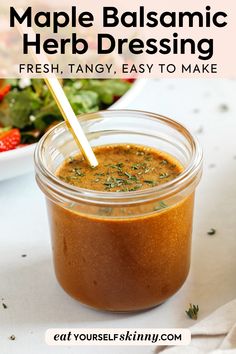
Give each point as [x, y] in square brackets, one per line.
[216, 334]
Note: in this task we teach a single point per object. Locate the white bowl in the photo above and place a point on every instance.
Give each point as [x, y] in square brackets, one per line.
[17, 162]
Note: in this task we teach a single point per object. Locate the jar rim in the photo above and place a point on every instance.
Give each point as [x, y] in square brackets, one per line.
[158, 192]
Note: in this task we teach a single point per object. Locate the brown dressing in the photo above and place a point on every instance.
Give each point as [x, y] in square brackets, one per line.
[121, 168]
[131, 258]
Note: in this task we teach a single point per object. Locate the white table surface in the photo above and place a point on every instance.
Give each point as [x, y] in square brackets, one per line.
[28, 285]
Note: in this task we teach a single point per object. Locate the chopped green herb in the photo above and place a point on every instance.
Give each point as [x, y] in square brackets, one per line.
[211, 232]
[132, 178]
[73, 177]
[128, 174]
[78, 172]
[163, 175]
[163, 162]
[192, 312]
[149, 181]
[161, 205]
[119, 164]
[137, 186]
[113, 182]
[135, 166]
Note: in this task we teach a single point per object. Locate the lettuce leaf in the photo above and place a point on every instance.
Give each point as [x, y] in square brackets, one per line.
[34, 108]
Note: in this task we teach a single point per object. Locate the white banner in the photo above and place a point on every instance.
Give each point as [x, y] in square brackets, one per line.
[118, 336]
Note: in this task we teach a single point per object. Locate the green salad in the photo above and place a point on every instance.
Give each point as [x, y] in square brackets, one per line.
[27, 105]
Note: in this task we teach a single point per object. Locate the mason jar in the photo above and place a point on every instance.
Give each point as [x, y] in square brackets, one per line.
[121, 251]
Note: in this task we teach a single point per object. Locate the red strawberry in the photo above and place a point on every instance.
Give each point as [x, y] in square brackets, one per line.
[129, 80]
[9, 139]
[4, 91]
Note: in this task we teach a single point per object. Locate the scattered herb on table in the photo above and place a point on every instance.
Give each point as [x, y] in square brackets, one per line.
[212, 165]
[224, 108]
[211, 232]
[12, 337]
[200, 130]
[4, 305]
[192, 312]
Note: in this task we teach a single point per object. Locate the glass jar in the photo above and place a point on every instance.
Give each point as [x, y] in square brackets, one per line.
[123, 251]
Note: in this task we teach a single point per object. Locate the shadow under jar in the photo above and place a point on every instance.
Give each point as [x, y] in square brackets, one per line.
[121, 251]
